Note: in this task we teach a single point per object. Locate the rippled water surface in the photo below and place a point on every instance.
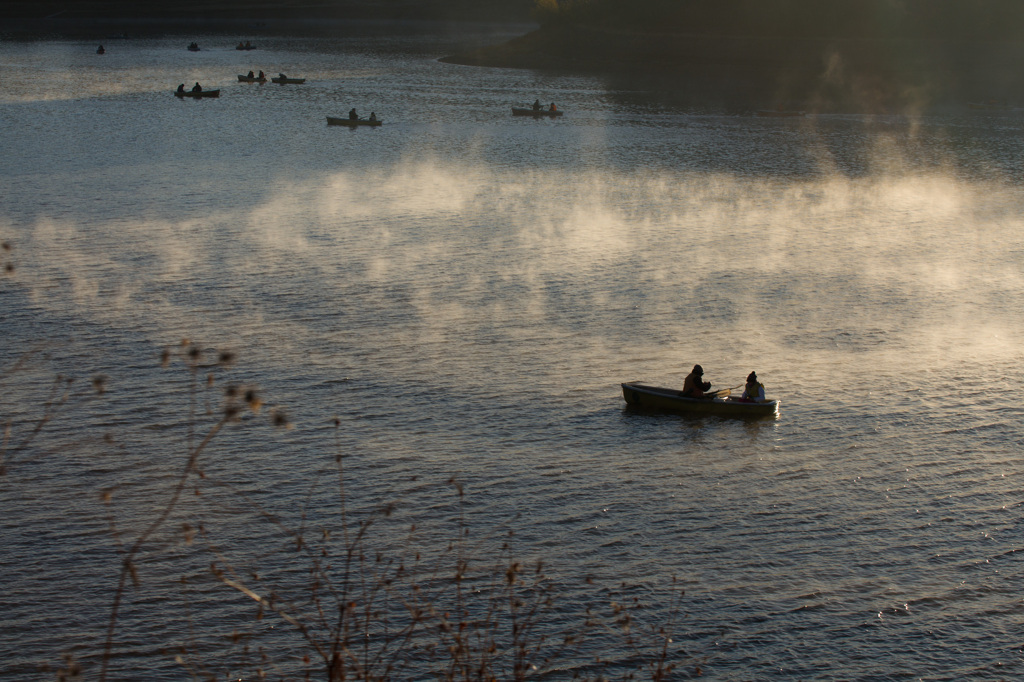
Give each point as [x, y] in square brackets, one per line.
[458, 295]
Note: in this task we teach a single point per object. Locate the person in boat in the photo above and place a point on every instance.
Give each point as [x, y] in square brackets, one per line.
[536, 105]
[197, 87]
[552, 107]
[181, 87]
[262, 76]
[352, 115]
[251, 75]
[247, 44]
[694, 386]
[100, 50]
[373, 116]
[753, 390]
[282, 76]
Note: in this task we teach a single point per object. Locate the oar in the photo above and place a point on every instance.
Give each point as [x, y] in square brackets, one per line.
[722, 392]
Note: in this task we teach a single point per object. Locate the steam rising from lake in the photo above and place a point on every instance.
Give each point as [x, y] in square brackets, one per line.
[902, 267]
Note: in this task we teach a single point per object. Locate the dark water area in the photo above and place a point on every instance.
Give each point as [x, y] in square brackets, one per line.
[453, 299]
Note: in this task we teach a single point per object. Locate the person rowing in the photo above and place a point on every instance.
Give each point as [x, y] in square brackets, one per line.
[694, 386]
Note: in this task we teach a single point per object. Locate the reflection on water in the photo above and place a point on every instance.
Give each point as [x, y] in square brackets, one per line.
[464, 292]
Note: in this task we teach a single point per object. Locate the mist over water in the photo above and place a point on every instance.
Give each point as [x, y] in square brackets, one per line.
[464, 292]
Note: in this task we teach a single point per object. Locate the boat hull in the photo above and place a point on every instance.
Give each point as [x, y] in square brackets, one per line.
[989, 106]
[670, 400]
[197, 95]
[537, 113]
[351, 122]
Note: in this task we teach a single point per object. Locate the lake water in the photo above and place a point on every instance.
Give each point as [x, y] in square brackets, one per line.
[458, 294]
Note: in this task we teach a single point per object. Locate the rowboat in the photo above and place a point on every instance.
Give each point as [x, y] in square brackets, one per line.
[282, 80]
[201, 93]
[641, 395]
[779, 114]
[991, 105]
[519, 111]
[351, 122]
[251, 79]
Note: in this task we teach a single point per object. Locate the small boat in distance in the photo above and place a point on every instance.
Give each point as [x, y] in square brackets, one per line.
[524, 111]
[197, 93]
[990, 105]
[245, 46]
[282, 79]
[252, 79]
[352, 122]
[100, 50]
[193, 47]
[643, 396]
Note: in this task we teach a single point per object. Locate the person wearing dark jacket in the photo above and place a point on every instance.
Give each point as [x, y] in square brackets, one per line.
[695, 386]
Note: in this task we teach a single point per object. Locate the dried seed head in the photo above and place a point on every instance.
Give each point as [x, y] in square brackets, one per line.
[280, 420]
[253, 400]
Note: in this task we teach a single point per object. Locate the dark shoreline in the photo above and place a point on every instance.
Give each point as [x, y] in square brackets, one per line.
[315, 18]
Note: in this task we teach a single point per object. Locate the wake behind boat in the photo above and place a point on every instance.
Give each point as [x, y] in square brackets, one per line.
[643, 396]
